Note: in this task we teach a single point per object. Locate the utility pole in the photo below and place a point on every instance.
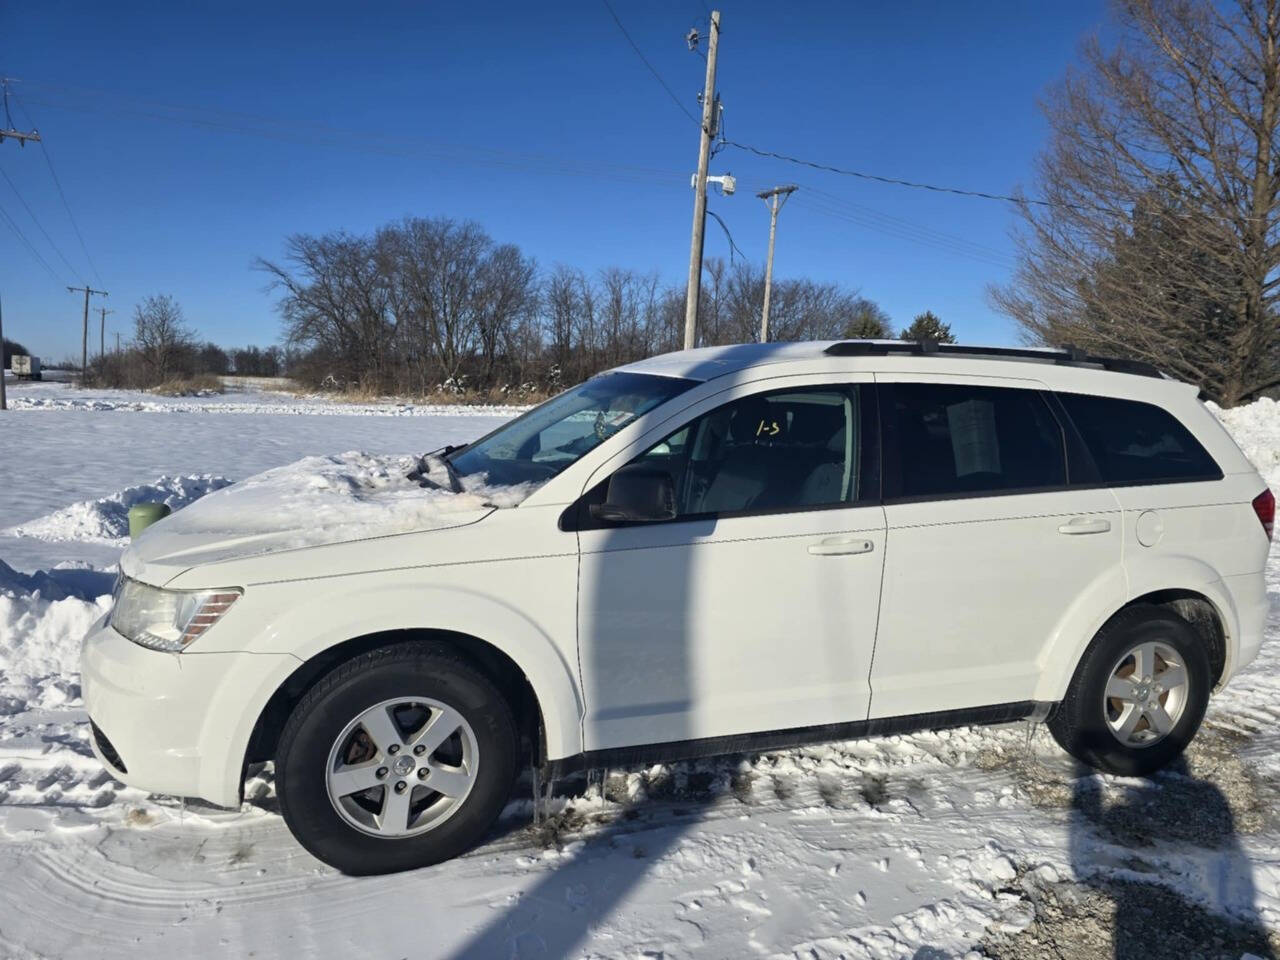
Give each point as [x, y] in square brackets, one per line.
[709, 103]
[117, 341]
[4, 402]
[779, 196]
[22, 136]
[84, 343]
[8, 130]
[102, 331]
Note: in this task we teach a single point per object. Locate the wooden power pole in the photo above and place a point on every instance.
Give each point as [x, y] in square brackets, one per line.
[779, 197]
[102, 331]
[709, 104]
[84, 342]
[8, 130]
[4, 402]
[22, 136]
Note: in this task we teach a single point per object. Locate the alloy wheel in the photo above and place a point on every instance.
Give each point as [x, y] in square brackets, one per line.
[402, 767]
[1146, 694]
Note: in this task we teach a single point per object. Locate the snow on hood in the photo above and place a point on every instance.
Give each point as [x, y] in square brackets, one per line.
[332, 499]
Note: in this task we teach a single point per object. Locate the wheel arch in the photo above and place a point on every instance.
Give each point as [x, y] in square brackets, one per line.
[1186, 586]
[496, 664]
[1202, 614]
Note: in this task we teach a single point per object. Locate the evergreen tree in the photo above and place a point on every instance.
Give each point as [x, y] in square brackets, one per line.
[866, 321]
[927, 326]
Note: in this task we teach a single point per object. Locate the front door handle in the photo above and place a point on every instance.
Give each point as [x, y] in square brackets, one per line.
[838, 546]
[1082, 525]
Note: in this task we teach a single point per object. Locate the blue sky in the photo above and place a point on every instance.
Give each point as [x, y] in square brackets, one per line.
[190, 139]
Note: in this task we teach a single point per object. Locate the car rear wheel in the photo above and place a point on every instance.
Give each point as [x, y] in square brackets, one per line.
[400, 758]
[1138, 694]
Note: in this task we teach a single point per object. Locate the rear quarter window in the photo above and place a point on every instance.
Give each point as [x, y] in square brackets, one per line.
[1134, 443]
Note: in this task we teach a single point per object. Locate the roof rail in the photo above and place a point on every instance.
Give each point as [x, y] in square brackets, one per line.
[1067, 356]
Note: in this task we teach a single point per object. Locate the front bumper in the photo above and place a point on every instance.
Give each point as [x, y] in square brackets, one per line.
[175, 724]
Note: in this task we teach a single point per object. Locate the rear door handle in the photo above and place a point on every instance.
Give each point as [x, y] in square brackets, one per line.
[1081, 525]
[837, 546]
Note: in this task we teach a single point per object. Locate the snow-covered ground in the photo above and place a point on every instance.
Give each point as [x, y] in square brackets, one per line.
[976, 842]
[241, 396]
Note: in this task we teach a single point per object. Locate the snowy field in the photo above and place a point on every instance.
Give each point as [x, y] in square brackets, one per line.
[971, 843]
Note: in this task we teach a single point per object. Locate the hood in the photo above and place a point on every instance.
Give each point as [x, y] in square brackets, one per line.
[314, 502]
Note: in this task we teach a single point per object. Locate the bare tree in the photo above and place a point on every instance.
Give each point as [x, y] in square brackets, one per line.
[161, 335]
[508, 297]
[1160, 238]
[337, 302]
[440, 268]
[560, 305]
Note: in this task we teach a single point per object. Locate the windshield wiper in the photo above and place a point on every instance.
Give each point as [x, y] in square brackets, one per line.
[455, 478]
[421, 473]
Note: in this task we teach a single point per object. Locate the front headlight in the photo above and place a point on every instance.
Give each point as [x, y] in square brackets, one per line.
[167, 620]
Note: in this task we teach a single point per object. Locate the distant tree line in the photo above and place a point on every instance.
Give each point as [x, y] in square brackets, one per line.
[437, 305]
[164, 350]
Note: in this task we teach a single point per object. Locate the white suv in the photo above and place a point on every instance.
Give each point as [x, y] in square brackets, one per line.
[725, 549]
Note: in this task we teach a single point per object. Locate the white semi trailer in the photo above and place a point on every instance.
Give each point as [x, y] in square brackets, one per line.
[25, 367]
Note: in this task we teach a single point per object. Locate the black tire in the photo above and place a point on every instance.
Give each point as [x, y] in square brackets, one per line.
[403, 670]
[1079, 723]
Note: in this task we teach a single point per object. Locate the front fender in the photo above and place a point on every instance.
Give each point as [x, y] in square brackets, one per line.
[299, 619]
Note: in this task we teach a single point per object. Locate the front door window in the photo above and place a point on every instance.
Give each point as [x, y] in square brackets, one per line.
[784, 450]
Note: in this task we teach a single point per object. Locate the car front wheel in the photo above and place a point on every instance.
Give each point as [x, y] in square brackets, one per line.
[1138, 694]
[399, 758]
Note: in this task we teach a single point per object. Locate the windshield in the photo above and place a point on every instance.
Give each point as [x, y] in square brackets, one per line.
[547, 439]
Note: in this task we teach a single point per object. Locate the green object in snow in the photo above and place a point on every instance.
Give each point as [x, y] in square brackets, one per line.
[143, 515]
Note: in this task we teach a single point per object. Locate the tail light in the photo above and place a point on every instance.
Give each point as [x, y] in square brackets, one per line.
[1264, 505]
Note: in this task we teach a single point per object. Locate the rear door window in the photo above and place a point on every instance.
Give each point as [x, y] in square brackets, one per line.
[1135, 443]
[957, 440]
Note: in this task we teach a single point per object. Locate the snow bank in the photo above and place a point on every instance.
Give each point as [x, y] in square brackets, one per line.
[1256, 428]
[329, 499]
[106, 519]
[42, 619]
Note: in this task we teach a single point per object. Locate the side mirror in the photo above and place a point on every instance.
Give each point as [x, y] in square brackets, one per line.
[638, 493]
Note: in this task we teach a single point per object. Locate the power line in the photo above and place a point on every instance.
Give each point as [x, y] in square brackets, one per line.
[48, 159]
[732, 246]
[981, 194]
[36, 221]
[370, 142]
[4, 214]
[906, 235]
[902, 229]
[645, 60]
[862, 175]
[902, 222]
[895, 181]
